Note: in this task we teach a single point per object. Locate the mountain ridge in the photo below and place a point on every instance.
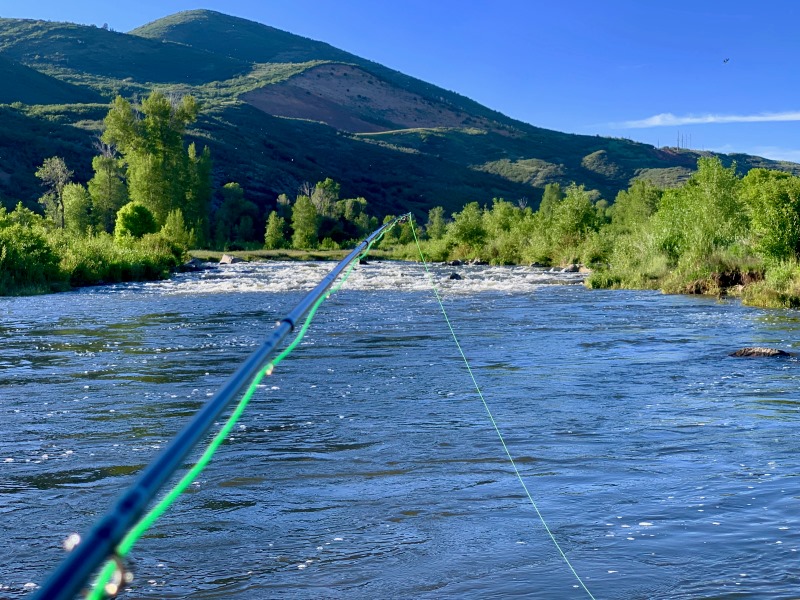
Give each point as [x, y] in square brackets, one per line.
[280, 109]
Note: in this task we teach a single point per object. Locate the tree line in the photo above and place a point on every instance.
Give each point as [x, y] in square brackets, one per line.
[151, 198]
[720, 232]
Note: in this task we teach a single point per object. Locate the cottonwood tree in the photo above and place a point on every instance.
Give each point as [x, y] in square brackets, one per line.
[55, 176]
[107, 189]
[305, 223]
[235, 219]
[150, 140]
[274, 236]
[78, 218]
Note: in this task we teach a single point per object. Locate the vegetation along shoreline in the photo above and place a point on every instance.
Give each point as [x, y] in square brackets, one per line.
[149, 203]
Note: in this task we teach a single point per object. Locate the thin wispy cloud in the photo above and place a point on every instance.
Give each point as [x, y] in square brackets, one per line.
[670, 120]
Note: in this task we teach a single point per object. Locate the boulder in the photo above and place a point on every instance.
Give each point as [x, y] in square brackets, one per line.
[194, 265]
[570, 269]
[227, 259]
[455, 263]
[455, 276]
[477, 262]
[756, 351]
[362, 261]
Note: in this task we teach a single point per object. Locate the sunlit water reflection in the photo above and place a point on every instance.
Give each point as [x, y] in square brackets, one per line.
[367, 467]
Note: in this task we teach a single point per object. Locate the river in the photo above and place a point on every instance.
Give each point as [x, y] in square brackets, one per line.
[367, 467]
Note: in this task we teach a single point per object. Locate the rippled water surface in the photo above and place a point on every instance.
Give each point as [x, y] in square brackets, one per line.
[367, 467]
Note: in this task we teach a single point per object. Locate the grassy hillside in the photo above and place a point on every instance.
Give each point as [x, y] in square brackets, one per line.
[280, 109]
[29, 86]
[100, 58]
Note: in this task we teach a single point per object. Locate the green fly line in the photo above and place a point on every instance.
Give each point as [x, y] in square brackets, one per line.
[102, 586]
[491, 417]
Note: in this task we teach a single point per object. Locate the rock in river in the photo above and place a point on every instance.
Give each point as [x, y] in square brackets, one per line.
[756, 351]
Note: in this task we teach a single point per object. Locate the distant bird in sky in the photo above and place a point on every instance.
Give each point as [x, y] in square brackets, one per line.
[725, 60]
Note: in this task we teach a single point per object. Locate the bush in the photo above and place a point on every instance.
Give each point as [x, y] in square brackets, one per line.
[28, 263]
[134, 220]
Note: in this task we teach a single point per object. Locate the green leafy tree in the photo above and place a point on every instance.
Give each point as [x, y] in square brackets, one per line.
[703, 215]
[134, 220]
[21, 216]
[550, 199]
[634, 207]
[236, 217]
[275, 234]
[152, 149]
[107, 190]
[324, 197]
[467, 227]
[573, 217]
[305, 223]
[77, 209]
[773, 202]
[199, 192]
[176, 232]
[55, 176]
[436, 225]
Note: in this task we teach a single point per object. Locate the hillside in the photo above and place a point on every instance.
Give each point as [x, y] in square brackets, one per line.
[280, 109]
[29, 86]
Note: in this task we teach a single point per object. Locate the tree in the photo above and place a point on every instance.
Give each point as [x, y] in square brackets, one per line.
[550, 199]
[773, 202]
[107, 191]
[77, 209]
[573, 217]
[274, 236]
[55, 176]
[305, 223]
[703, 215]
[324, 197]
[134, 220]
[235, 218]
[634, 207]
[199, 192]
[152, 149]
[176, 232]
[436, 226]
[467, 227]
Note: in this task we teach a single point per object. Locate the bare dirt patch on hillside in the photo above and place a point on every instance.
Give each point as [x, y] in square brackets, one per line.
[349, 98]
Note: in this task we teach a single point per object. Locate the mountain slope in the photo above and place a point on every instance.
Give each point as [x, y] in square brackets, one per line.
[280, 110]
[29, 86]
[73, 50]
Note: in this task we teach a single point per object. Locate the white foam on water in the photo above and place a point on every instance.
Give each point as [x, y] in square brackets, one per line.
[289, 276]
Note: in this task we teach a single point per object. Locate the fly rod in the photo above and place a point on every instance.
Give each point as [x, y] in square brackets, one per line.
[71, 576]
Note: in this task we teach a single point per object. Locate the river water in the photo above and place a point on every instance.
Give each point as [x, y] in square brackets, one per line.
[367, 466]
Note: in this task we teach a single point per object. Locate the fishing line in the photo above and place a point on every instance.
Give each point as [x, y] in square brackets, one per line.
[113, 574]
[491, 416]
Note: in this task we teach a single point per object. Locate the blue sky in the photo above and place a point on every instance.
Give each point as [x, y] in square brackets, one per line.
[707, 75]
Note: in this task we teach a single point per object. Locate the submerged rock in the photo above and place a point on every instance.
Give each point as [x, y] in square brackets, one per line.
[756, 351]
[455, 276]
[194, 265]
[227, 259]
